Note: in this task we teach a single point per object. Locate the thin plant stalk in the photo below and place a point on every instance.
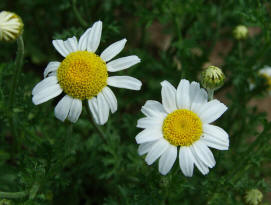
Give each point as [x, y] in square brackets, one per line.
[18, 68]
[210, 94]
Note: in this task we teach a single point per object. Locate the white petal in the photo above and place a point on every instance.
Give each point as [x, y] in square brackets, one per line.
[168, 97]
[122, 63]
[211, 111]
[75, 110]
[94, 36]
[154, 109]
[71, 44]
[148, 135]
[156, 151]
[194, 88]
[45, 83]
[53, 73]
[150, 122]
[63, 107]
[215, 137]
[183, 95]
[167, 159]
[124, 82]
[113, 50]
[204, 153]
[47, 94]
[198, 96]
[82, 46]
[200, 165]
[93, 106]
[60, 47]
[103, 109]
[51, 67]
[186, 161]
[145, 148]
[110, 99]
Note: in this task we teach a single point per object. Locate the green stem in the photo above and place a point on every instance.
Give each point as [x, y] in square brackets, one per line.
[18, 68]
[240, 50]
[13, 195]
[210, 94]
[78, 15]
[98, 129]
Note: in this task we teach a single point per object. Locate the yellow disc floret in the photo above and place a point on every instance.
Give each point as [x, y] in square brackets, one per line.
[82, 75]
[182, 127]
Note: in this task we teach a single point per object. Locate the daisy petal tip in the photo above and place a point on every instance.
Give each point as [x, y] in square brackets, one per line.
[73, 120]
[137, 58]
[185, 81]
[188, 174]
[139, 85]
[148, 162]
[137, 140]
[34, 101]
[97, 22]
[164, 173]
[123, 41]
[62, 120]
[101, 123]
[164, 83]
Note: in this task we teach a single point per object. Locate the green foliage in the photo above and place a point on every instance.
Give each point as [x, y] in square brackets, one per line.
[63, 163]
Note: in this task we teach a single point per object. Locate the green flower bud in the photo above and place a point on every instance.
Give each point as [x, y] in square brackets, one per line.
[11, 26]
[253, 197]
[212, 78]
[240, 32]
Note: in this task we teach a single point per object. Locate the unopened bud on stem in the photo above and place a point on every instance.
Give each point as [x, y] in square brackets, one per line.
[212, 78]
[11, 26]
[240, 32]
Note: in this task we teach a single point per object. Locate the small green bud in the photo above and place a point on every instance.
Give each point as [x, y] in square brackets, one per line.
[240, 32]
[6, 202]
[212, 78]
[11, 26]
[253, 197]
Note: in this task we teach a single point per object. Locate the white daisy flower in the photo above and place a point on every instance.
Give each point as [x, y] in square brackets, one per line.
[266, 73]
[182, 120]
[11, 26]
[83, 75]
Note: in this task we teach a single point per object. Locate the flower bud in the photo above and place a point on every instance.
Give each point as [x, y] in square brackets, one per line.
[253, 197]
[212, 78]
[11, 26]
[240, 32]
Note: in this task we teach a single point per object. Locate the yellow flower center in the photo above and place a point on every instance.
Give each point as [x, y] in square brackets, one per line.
[182, 128]
[268, 80]
[82, 75]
